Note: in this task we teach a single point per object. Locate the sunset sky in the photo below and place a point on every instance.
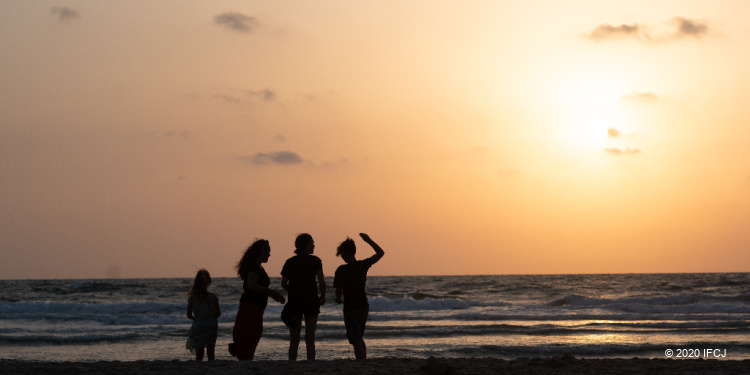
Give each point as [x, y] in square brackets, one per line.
[153, 138]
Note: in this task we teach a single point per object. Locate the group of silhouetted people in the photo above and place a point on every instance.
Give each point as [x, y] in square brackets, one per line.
[302, 277]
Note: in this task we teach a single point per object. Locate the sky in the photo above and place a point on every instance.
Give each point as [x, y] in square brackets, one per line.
[151, 139]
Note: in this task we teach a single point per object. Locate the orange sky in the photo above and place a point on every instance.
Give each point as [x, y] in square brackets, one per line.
[150, 139]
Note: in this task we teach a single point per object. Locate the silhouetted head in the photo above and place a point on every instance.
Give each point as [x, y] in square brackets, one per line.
[200, 283]
[260, 250]
[347, 248]
[304, 244]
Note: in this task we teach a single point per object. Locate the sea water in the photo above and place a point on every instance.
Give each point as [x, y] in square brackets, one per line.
[501, 316]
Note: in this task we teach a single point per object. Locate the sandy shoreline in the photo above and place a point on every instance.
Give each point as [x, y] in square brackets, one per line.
[432, 366]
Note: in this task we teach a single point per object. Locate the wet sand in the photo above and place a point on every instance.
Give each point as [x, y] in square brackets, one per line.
[432, 366]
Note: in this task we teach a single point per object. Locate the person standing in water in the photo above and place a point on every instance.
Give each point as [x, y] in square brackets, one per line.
[298, 279]
[349, 281]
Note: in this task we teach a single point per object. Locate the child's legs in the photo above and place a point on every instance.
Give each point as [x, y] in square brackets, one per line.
[211, 351]
[199, 354]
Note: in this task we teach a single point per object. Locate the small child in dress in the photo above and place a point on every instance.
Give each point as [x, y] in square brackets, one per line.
[203, 309]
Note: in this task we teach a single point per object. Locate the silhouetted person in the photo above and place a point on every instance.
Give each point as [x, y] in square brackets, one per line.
[298, 279]
[349, 281]
[203, 309]
[248, 326]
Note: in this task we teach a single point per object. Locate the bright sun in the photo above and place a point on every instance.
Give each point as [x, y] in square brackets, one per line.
[590, 104]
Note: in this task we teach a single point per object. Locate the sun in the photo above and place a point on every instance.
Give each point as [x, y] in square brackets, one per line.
[591, 110]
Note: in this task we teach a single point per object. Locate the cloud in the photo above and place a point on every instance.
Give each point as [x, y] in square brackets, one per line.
[266, 94]
[613, 133]
[65, 14]
[677, 28]
[607, 31]
[646, 97]
[689, 28]
[620, 152]
[227, 99]
[236, 22]
[245, 96]
[278, 157]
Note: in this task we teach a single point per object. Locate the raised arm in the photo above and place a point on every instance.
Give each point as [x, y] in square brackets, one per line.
[378, 251]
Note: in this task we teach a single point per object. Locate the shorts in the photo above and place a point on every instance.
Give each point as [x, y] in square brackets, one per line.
[293, 312]
[355, 322]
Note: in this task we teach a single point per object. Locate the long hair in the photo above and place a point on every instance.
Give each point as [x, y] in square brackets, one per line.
[251, 255]
[200, 284]
[347, 247]
[301, 243]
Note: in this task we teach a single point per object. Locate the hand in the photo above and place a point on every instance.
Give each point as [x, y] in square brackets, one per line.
[365, 237]
[339, 301]
[277, 297]
[322, 300]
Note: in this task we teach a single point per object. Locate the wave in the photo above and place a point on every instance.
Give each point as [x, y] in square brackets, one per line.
[408, 308]
[685, 304]
[423, 302]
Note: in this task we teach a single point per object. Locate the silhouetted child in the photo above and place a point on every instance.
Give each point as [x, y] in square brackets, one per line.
[203, 309]
[349, 281]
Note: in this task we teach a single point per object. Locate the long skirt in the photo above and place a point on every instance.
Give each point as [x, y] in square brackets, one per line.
[248, 328]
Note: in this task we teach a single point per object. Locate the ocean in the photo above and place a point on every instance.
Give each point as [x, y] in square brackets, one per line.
[501, 316]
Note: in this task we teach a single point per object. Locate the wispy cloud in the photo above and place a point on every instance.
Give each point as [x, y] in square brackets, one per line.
[278, 157]
[227, 99]
[613, 133]
[65, 14]
[265, 94]
[607, 31]
[674, 29]
[236, 22]
[689, 28]
[248, 96]
[638, 96]
[620, 152]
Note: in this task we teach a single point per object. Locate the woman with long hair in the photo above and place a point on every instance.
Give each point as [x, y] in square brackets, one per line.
[248, 326]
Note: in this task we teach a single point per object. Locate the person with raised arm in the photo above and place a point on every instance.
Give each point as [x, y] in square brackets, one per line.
[350, 281]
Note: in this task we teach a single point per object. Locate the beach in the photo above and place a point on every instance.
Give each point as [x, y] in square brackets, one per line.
[430, 366]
